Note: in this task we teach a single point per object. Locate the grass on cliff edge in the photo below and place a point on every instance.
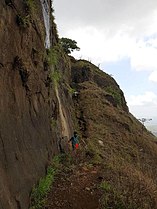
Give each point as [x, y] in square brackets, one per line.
[40, 191]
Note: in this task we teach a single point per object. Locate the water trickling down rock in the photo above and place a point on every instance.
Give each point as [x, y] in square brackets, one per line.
[46, 15]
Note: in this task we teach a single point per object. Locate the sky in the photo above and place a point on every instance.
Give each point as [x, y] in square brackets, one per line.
[120, 36]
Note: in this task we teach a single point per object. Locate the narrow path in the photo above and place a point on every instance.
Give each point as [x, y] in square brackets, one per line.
[76, 188]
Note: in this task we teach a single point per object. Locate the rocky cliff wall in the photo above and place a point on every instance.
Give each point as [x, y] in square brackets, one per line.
[28, 101]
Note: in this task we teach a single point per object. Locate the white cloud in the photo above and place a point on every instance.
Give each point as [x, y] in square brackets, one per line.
[147, 98]
[111, 30]
[108, 31]
[153, 76]
[109, 14]
[143, 105]
[98, 46]
[144, 56]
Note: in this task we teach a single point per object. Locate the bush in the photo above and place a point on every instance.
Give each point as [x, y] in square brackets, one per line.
[69, 45]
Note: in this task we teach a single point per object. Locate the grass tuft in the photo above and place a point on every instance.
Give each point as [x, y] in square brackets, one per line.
[40, 191]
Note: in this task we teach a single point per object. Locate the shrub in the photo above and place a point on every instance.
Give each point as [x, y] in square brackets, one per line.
[69, 45]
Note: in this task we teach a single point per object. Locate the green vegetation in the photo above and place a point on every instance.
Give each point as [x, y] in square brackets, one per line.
[30, 5]
[56, 60]
[55, 77]
[70, 89]
[53, 123]
[94, 152]
[52, 56]
[105, 186]
[116, 95]
[53, 59]
[69, 45]
[114, 199]
[22, 21]
[39, 192]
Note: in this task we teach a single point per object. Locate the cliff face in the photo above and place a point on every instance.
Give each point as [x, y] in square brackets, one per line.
[28, 101]
[38, 107]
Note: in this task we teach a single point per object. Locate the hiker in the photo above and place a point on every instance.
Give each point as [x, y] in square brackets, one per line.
[75, 95]
[74, 141]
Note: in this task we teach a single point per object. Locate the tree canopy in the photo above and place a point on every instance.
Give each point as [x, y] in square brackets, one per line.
[69, 45]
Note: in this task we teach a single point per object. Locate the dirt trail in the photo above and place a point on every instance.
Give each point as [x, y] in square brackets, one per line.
[76, 188]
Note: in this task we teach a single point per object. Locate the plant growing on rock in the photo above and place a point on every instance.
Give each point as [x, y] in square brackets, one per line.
[116, 95]
[30, 5]
[68, 45]
[40, 191]
[22, 21]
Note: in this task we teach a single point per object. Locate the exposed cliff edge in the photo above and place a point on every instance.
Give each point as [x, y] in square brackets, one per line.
[37, 108]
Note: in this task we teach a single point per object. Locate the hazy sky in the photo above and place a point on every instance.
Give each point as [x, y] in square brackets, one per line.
[121, 36]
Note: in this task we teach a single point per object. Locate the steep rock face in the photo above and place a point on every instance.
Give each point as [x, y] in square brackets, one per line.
[27, 102]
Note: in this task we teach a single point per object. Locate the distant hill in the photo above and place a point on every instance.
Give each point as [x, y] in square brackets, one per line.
[153, 129]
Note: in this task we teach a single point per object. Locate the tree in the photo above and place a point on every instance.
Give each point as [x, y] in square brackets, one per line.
[69, 45]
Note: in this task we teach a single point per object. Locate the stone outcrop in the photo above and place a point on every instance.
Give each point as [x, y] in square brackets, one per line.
[28, 102]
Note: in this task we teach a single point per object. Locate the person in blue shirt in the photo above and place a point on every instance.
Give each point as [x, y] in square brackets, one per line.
[75, 141]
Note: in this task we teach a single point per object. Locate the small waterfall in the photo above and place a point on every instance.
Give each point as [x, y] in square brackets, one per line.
[46, 15]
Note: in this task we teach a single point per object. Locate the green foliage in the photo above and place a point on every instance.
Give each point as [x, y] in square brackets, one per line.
[105, 186]
[55, 77]
[69, 45]
[70, 89]
[113, 199]
[30, 5]
[22, 21]
[56, 59]
[116, 95]
[39, 192]
[53, 123]
[53, 56]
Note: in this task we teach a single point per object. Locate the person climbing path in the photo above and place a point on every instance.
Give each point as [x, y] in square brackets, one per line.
[74, 141]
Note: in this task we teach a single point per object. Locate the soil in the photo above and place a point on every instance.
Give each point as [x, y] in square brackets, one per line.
[77, 187]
